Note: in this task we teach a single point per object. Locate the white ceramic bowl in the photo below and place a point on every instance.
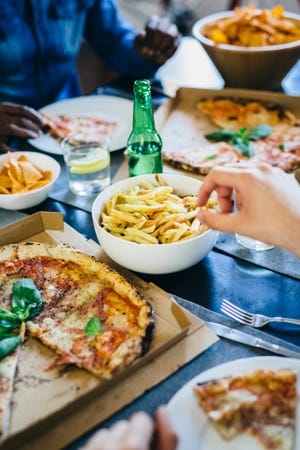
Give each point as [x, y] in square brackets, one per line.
[31, 198]
[249, 67]
[153, 258]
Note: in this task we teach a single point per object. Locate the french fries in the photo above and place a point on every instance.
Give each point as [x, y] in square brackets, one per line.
[248, 27]
[151, 213]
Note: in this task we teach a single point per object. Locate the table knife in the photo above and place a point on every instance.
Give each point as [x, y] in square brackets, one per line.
[244, 338]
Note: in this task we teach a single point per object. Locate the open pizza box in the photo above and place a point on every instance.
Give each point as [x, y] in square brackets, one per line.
[181, 125]
[51, 408]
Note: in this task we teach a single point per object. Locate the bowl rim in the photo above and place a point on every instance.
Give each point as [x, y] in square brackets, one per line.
[137, 178]
[48, 157]
[239, 48]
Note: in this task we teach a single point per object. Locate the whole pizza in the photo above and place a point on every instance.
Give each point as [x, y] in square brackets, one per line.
[74, 304]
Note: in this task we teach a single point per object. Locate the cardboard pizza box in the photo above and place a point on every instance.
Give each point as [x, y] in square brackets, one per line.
[53, 407]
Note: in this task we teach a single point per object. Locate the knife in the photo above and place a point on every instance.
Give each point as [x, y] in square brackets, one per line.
[244, 338]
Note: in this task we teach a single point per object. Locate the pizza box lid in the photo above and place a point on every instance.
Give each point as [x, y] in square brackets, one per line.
[65, 403]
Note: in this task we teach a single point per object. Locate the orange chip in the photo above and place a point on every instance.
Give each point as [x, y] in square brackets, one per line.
[31, 173]
[5, 181]
[14, 168]
[3, 190]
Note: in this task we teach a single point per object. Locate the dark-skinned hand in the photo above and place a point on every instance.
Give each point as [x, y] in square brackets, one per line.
[18, 121]
[159, 41]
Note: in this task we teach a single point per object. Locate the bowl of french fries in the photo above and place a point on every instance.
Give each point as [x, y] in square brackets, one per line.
[149, 223]
[251, 48]
[26, 178]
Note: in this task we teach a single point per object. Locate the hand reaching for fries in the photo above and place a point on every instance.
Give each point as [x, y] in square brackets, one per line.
[151, 213]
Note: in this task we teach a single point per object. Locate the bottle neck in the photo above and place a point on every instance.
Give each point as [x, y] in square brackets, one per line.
[142, 109]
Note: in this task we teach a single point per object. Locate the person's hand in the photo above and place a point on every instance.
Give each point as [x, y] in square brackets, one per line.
[138, 433]
[19, 121]
[267, 201]
[159, 41]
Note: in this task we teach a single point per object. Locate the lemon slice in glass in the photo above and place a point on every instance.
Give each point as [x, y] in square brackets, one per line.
[93, 162]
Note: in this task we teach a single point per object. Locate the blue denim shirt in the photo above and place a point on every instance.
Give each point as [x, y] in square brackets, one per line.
[40, 41]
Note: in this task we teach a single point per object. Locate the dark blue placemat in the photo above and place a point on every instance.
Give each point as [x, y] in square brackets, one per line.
[276, 259]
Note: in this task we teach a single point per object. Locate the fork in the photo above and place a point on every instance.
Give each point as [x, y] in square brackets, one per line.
[253, 320]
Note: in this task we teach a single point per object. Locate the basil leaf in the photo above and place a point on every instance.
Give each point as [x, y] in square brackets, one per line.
[93, 327]
[26, 299]
[8, 345]
[8, 320]
[220, 135]
[244, 147]
[208, 158]
[259, 132]
[281, 147]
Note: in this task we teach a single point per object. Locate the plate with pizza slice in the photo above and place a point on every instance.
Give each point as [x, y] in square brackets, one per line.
[86, 115]
[246, 403]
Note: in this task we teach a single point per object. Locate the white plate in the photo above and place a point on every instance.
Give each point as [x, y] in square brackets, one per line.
[194, 429]
[108, 107]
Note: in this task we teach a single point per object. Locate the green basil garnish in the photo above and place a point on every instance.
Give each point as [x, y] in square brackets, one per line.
[241, 139]
[26, 302]
[93, 327]
[26, 299]
[8, 344]
[259, 132]
[208, 158]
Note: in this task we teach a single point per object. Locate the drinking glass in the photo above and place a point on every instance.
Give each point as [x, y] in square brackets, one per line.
[245, 241]
[252, 244]
[87, 163]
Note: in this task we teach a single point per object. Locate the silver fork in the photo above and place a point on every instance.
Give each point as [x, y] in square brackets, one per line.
[253, 320]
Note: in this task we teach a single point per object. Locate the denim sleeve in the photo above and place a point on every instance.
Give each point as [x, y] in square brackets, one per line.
[112, 38]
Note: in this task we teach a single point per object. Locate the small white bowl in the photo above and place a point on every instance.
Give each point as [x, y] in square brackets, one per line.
[153, 258]
[36, 196]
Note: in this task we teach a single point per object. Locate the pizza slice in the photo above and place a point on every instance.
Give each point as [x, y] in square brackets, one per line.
[232, 114]
[8, 367]
[261, 403]
[91, 317]
[88, 128]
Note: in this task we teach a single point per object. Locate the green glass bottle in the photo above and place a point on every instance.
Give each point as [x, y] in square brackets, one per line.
[144, 143]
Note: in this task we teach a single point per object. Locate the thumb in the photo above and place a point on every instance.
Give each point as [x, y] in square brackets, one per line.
[219, 221]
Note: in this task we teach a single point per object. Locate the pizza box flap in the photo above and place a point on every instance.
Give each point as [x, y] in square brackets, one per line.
[66, 402]
[32, 226]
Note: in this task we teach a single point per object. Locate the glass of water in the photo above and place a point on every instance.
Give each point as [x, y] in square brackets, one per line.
[87, 163]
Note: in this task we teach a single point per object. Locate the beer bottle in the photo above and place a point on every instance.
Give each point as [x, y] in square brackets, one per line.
[144, 143]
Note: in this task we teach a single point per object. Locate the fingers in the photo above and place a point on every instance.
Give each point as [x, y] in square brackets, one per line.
[19, 121]
[13, 109]
[140, 432]
[159, 41]
[166, 438]
[135, 433]
[228, 223]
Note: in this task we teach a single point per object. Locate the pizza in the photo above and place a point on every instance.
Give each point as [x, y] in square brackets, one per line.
[91, 317]
[87, 128]
[234, 114]
[261, 403]
[236, 119]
